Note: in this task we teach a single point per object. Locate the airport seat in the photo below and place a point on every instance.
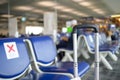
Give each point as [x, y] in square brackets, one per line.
[113, 44]
[68, 54]
[43, 52]
[62, 46]
[14, 60]
[68, 50]
[89, 45]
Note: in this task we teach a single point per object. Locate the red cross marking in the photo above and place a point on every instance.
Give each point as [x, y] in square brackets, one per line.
[10, 48]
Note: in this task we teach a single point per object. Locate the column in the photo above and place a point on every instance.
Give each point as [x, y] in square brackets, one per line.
[13, 27]
[50, 24]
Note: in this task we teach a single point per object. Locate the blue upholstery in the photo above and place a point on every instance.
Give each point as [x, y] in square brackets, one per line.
[52, 77]
[67, 67]
[108, 47]
[102, 46]
[45, 52]
[111, 44]
[10, 68]
[90, 40]
[44, 76]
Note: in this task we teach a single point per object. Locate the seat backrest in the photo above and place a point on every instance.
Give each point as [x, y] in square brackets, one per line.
[44, 49]
[103, 37]
[90, 40]
[14, 60]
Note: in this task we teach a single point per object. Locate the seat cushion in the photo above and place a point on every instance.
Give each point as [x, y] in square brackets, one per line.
[53, 77]
[67, 67]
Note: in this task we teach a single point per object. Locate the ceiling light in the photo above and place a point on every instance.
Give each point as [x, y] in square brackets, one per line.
[59, 7]
[75, 12]
[85, 3]
[65, 16]
[96, 10]
[46, 3]
[38, 11]
[7, 15]
[85, 15]
[64, 8]
[23, 8]
[77, 0]
[67, 10]
[117, 15]
[99, 11]
[78, 13]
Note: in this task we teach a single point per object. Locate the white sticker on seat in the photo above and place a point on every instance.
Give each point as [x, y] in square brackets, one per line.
[11, 50]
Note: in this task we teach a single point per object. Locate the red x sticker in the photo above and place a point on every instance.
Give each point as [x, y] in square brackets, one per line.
[11, 50]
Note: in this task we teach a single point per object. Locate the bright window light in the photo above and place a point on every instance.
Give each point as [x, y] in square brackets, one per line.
[34, 30]
[64, 29]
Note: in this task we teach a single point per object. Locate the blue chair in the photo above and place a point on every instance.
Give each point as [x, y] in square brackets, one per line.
[68, 49]
[14, 60]
[114, 44]
[43, 54]
[89, 45]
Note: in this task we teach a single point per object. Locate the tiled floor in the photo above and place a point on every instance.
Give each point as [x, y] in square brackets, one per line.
[106, 74]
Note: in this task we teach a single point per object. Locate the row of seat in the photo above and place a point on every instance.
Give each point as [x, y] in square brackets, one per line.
[36, 57]
[86, 45]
